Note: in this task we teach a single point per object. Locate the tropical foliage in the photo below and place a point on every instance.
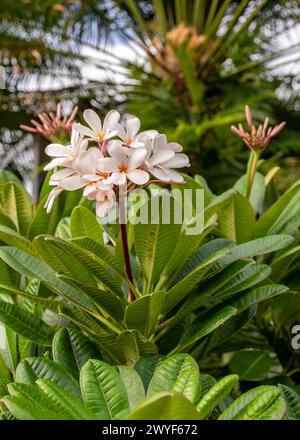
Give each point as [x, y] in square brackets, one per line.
[155, 389]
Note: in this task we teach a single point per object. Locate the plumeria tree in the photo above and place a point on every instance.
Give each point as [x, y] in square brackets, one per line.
[109, 160]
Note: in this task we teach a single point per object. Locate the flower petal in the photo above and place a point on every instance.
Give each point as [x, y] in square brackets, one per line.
[107, 165]
[118, 178]
[178, 161]
[175, 147]
[72, 183]
[132, 127]
[138, 176]
[121, 132]
[111, 120]
[161, 156]
[117, 152]
[57, 150]
[62, 174]
[93, 120]
[84, 130]
[85, 163]
[137, 158]
[55, 163]
[160, 142]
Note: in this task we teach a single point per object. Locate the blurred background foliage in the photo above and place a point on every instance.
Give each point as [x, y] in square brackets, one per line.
[185, 67]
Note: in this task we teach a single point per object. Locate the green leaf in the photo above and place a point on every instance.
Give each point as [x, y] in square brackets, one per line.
[16, 205]
[261, 403]
[133, 384]
[44, 223]
[257, 295]
[143, 313]
[261, 246]
[184, 286]
[64, 402]
[103, 391]
[72, 349]
[236, 220]
[202, 326]
[27, 402]
[11, 346]
[84, 224]
[178, 373]
[146, 366]
[216, 394]
[33, 268]
[13, 238]
[292, 400]
[31, 369]
[154, 243]
[25, 323]
[134, 345]
[165, 406]
[278, 214]
[251, 364]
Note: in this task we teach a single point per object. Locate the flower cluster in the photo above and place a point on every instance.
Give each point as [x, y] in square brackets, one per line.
[104, 157]
[257, 139]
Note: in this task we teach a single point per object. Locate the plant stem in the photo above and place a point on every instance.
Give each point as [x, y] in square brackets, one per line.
[254, 156]
[122, 221]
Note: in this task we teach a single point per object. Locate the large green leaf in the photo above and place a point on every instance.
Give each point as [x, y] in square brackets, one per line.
[13, 238]
[27, 402]
[165, 406]
[278, 214]
[236, 220]
[33, 268]
[103, 391]
[216, 394]
[133, 384]
[143, 313]
[254, 296]
[180, 290]
[204, 325]
[262, 403]
[16, 205]
[64, 402]
[292, 400]
[178, 373]
[31, 369]
[260, 246]
[46, 223]
[251, 364]
[84, 224]
[134, 345]
[72, 349]
[154, 243]
[25, 323]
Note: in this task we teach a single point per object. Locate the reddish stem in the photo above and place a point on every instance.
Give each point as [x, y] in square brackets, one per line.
[122, 221]
[127, 260]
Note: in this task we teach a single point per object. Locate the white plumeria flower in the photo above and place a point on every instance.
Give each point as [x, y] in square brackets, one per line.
[52, 196]
[130, 134]
[98, 132]
[163, 157]
[105, 200]
[123, 166]
[64, 155]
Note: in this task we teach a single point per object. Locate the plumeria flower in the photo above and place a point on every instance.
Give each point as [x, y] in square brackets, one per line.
[130, 134]
[105, 200]
[163, 157]
[64, 155]
[123, 166]
[98, 132]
